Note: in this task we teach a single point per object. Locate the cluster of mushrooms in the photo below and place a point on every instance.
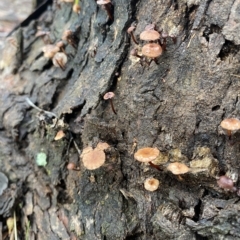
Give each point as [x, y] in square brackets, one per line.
[56, 53]
[152, 156]
[154, 44]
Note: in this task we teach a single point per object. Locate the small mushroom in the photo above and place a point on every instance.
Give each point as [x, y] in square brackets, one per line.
[76, 8]
[93, 158]
[50, 50]
[178, 168]
[70, 37]
[110, 95]
[147, 155]
[226, 183]
[60, 134]
[107, 5]
[130, 32]
[152, 50]
[151, 184]
[150, 35]
[60, 60]
[230, 125]
[72, 166]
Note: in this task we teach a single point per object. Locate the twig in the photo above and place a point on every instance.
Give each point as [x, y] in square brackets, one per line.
[235, 75]
[77, 148]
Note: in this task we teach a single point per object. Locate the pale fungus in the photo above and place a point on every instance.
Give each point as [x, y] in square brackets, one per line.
[147, 155]
[110, 95]
[72, 166]
[178, 168]
[60, 134]
[76, 8]
[151, 184]
[230, 125]
[226, 183]
[50, 50]
[60, 60]
[150, 35]
[93, 158]
[152, 50]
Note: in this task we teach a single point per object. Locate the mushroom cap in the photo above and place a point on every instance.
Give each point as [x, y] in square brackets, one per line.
[60, 134]
[230, 124]
[152, 50]
[150, 26]
[59, 59]
[225, 182]
[131, 29]
[108, 95]
[102, 146]
[146, 154]
[178, 168]
[60, 44]
[150, 35]
[151, 184]
[93, 158]
[50, 50]
[66, 34]
[103, 2]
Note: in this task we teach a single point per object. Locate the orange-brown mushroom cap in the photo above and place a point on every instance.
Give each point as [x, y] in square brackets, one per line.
[151, 184]
[150, 35]
[93, 158]
[231, 124]
[152, 50]
[178, 168]
[60, 134]
[146, 154]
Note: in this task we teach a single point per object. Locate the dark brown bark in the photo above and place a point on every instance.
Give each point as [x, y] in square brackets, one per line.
[175, 106]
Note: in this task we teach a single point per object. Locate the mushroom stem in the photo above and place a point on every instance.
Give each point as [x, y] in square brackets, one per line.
[229, 134]
[133, 38]
[111, 102]
[155, 166]
[108, 8]
[60, 64]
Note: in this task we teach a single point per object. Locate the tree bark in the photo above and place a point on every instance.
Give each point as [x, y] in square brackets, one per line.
[175, 104]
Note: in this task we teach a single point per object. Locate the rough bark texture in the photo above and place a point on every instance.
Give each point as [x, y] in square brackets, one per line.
[175, 105]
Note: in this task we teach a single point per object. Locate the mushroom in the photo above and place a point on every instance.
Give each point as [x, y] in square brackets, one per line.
[230, 125]
[226, 183]
[60, 134]
[107, 5]
[152, 50]
[147, 155]
[60, 60]
[150, 35]
[130, 31]
[93, 158]
[50, 50]
[76, 8]
[72, 166]
[110, 95]
[71, 38]
[177, 168]
[151, 184]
